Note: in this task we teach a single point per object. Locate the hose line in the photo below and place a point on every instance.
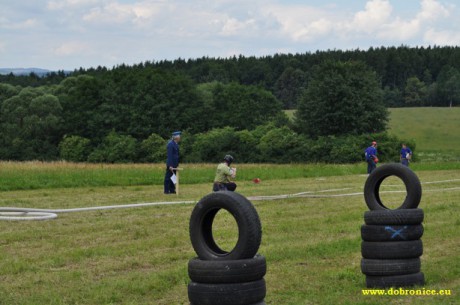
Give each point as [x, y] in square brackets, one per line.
[46, 214]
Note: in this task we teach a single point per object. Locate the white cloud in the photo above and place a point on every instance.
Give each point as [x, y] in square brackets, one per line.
[233, 26]
[376, 13]
[377, 21]
[432, 10]
[315, 29]
[299, 22]
[70, 4]
[115, 12]
[130, 31]
[442, 38]
[71, 48]
[401, 30]
[18, 25]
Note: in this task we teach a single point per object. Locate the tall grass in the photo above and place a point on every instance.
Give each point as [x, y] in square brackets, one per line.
[41, 175]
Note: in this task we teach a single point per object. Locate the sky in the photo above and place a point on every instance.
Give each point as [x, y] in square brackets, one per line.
[68, 34]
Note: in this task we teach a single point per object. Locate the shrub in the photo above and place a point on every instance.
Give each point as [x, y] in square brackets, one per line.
[215, 144]
[153, 149]
[247, 147]
[115, 148]
[74, 148]
[282, 145]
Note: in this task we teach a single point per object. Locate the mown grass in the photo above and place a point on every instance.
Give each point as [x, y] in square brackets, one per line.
[139, 256]
[41, 175]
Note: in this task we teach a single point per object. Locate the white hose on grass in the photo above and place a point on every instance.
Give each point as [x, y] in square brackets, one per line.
[45, 214]
[13, 214]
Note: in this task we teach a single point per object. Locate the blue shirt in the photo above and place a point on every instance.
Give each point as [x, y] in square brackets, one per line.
[405, 151]
[370, 152]
[172, 154]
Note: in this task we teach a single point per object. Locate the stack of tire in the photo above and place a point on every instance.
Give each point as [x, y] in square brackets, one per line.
[220, 277]
[391, 246]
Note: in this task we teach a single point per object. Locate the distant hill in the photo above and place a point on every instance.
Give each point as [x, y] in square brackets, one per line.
[24, 71]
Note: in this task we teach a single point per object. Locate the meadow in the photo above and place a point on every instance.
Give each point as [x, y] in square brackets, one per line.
[139, 256]
[50, 175]
[434, 129]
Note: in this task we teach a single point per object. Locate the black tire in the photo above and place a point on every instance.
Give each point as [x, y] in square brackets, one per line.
[249, 227]
[394, 217]
[233, 271]
[391, 232]
[386, 267]
[227, 294]
[395, 280]
[375, 179]
[392, 249]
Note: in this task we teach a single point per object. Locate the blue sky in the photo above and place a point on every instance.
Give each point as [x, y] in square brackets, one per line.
[67, 34]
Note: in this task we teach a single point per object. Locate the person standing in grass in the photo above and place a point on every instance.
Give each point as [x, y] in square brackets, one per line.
[172, 162]
[405, 155]
[224, 173]
[371, 157]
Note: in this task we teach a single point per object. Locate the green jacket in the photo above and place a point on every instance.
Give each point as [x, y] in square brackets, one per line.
[223, 173]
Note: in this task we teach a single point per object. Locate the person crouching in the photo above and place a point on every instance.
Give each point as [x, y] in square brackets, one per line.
[224, 173]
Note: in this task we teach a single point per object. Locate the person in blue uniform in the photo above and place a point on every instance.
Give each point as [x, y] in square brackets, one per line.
[371, 157]
[172, 162]
[405, 155]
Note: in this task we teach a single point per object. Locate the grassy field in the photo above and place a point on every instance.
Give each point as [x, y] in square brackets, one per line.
[40, 175]
[139, 256]
[435, 130]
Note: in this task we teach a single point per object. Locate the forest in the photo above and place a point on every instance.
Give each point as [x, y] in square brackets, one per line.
[126, 113]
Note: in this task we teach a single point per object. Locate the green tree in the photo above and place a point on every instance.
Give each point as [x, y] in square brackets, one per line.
[415, 93]
[289, 86]
[449, 86]
[342, 98]
[238, 106]
[74, 149]
[81, 97]
[115, 148]
[427, 77]
[153, 149]
[212, 146]
[31, 125]
[392, 97]
[283, 145]
[7, 91]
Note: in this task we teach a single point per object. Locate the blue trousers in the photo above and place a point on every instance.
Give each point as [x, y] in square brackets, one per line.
[170, 187]
[371, 165]
[405, 162]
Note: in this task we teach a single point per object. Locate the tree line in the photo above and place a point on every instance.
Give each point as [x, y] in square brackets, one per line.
[126, 114]
[118, 111]
[422, 76]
